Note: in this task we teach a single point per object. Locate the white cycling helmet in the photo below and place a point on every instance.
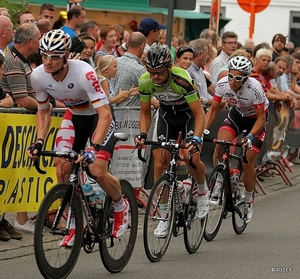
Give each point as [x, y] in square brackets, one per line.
[56, 40]
[241, 64]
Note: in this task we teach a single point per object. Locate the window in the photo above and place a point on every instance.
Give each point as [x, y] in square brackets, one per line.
[294, 29]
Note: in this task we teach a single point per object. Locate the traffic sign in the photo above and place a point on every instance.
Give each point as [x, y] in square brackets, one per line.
[259, 5]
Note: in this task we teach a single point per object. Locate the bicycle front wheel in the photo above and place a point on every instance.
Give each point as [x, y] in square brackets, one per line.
[158, 223]
[53, 260]
[217, 202]
[116, 252]
[194, 227]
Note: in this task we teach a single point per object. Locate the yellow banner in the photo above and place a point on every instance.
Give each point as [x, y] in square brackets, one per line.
[22, 188]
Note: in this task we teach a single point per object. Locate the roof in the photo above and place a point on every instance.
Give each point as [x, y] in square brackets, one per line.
[139, 6]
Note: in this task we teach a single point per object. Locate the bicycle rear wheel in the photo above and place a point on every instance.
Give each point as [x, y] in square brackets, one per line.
[239, 215]
[155, 247]
[116, 252]
[217, 203]
[53, 260]
[194, 227]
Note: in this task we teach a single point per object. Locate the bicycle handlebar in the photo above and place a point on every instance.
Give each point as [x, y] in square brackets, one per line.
[167, 145]
[228, 144]
[61, 154]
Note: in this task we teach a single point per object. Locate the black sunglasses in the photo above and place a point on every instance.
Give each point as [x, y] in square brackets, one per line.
[182, 50]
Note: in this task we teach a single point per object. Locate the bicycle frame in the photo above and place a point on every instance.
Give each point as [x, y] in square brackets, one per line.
[175, 212]
[227, 156]
[175, 158]
[174, 149]
[75, 180]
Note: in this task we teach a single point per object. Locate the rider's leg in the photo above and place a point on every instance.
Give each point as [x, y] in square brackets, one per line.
[63, 170]
[161, 159]
[111, 185]
[199, 175]
[249, 175]
[223, 134]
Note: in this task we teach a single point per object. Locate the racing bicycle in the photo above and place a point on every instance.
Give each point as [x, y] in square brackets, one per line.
[179, 214]
[93, 225]
[230, 197]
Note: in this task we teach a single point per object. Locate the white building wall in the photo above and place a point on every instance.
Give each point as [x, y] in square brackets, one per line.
[274, 19]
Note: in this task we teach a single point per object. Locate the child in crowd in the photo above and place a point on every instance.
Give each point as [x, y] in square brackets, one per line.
[106, 69]
[88, 52]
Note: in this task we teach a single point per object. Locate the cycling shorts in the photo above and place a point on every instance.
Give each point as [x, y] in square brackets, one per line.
[170, 123]
[76, 130]
[236, 124]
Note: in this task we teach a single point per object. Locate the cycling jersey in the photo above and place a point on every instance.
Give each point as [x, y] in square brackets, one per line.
[79, 91]
[249, 97]
[175, 95]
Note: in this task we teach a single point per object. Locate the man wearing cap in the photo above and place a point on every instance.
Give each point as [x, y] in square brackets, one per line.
[149, 27]
[61, 21]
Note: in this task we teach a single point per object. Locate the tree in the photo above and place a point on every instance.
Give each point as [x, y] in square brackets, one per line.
[15, 8]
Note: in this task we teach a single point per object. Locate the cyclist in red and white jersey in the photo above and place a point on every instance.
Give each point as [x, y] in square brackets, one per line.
[88, 115]
[249, 112]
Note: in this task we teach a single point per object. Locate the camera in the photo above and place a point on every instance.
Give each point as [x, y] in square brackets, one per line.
[78, 45]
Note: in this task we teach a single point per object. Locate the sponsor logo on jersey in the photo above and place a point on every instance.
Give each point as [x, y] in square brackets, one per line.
[241, 103]
[164, 96]
[181, 81]
[71, 85]
[232, 101]
[95, 83]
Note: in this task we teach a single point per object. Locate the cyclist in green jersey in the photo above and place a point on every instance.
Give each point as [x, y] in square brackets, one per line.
[179, 111]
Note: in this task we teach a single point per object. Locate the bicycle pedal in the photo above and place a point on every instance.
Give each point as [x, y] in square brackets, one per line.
[59, 232]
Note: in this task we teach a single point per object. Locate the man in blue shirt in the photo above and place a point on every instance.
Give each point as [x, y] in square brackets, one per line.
[76, 17]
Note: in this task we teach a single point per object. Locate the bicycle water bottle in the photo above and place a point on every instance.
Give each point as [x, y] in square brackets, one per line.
[89, 193]
[187, 184]
[234, 178]
[99, 195]
[181, 190]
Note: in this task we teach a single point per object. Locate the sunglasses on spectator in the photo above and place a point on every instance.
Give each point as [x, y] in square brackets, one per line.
[160, 73]
[54, 57]
[236, 78]
[182, 50]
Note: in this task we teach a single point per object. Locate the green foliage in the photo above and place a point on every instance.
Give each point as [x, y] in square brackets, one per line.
[15, 7]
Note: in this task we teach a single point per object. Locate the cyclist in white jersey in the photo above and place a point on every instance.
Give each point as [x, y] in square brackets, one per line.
[88, 115]
[249, 112]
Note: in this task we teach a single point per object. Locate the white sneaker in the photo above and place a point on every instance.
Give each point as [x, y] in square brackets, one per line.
[162, 229]
[249, 210]
[217, 188]
[27, 227]
[202, 205]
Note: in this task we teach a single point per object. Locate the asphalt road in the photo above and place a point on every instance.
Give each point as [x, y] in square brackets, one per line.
[269, 248]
